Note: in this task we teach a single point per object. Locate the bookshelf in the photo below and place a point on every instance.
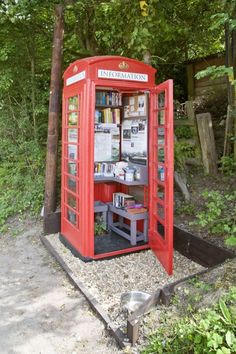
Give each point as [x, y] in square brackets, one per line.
[108, 107]
[107, 115]
[107, 125]
[108, 98]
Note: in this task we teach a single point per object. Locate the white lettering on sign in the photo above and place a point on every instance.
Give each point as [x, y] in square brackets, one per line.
[75, 78]
[121, 75]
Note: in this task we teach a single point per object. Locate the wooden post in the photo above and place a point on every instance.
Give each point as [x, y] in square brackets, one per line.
[228, 131]
[53, 116]
[190, 81]
[234, 86]
[207, 142]
[192, 118]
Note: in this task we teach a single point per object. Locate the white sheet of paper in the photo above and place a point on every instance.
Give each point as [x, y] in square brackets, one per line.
[102, 147]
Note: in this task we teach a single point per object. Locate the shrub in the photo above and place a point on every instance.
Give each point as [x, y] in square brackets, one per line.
[219, 215]
[208, 331]
[22, 181]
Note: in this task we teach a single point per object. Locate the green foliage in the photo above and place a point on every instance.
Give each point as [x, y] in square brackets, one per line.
[219, 215]
[22, 182]
[224, 17]
[183, 132]
[183, 151]
[186, 208]
[207, 331]
[215, 72]
[99, 228]
[228, 165]
[92, 27]
[25, 50]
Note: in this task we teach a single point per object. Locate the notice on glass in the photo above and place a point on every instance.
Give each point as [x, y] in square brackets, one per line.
[102, 146]
[115, 144]
[72, 135]
[72, 152]
[134, 138]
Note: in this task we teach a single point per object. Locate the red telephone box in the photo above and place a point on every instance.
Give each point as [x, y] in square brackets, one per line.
[117, 138]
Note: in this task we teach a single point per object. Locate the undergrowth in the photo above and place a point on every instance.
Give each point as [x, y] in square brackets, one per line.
[218, 215]
[21, 182]
[210, 330]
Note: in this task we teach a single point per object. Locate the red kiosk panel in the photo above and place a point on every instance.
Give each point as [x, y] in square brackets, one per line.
[80, 189]
[161, 174]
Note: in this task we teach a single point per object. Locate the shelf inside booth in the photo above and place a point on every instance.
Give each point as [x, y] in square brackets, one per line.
[117, 180]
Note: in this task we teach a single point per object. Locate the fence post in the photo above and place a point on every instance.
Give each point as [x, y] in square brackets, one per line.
[207, 142]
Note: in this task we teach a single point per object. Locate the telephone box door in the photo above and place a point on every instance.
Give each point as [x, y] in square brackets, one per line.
[161, 174]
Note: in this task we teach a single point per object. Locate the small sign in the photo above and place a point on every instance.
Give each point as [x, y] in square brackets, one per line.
[75, 78]
[121, 75]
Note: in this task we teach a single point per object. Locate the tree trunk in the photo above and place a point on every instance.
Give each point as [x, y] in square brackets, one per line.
[181, 183]
[234, 89]
[147, 58]
[33, 100]
[228, 60]
[54, 111]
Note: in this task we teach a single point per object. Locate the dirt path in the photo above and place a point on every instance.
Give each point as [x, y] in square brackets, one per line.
[41, 312]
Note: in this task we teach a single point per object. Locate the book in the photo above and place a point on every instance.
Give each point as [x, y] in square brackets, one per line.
[120, 199]
[108, 98]
[137, 211]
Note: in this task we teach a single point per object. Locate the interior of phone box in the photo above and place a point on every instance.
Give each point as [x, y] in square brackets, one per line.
[120, 166]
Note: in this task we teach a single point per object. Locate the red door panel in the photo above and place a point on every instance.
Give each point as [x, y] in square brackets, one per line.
[161, 174]
[70, 187]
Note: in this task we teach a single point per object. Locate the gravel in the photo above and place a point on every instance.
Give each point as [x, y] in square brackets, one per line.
[108, 279]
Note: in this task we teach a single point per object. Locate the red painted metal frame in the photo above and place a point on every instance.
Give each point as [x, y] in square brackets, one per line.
[81, 236]
[161, 226]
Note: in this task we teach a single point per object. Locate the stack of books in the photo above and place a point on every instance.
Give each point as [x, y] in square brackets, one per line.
[104, 169]
[122, 200]
[107, 115]
[108, 98]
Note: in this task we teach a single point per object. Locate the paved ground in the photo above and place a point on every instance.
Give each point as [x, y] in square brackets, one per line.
[40, 311]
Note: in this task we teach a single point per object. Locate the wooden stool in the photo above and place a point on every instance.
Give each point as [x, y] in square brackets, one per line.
[132, 234]
[100, 207]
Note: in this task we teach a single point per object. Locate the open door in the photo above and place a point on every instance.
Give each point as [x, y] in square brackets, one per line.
[161, 162]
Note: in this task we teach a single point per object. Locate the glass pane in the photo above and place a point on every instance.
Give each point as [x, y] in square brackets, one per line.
[72, 168]
[71, 216]
[161, 230]
[161, 154]
[71, 201]
[161, 117]
[71, 184]
[160, 211]
[73, 118]
[72, 152]
[161, 100]
[72, 135]
[161, 136]
[161, 173]
[160, 192]
[73, 103]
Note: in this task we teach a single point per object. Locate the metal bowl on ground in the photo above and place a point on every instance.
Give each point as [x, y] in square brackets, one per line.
[131, 300]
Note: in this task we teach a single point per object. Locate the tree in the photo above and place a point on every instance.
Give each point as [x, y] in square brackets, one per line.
[227, 20]
[168, 34]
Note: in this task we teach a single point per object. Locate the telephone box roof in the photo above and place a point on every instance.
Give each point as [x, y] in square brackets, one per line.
[107, 62]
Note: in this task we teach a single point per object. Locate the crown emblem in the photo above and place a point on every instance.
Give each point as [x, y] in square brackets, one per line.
[75, 69]
[123, 65]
